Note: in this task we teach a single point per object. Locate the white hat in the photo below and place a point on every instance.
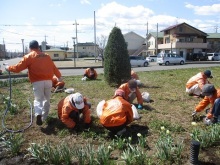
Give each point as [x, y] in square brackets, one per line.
[77, 100]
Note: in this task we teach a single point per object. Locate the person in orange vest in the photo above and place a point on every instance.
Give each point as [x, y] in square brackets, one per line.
[131, 92]
[135, 76]
[90, 73]
[57, 85]
[116, 113]
[70, 108]
[212, 96]
[41, 70]
[194, 84]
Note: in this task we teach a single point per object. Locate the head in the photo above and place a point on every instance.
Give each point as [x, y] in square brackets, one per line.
[208, 90]
[92, 69]
[119, 92]
[208, 74]
[132, 84]
[77, 100]
[33, 44]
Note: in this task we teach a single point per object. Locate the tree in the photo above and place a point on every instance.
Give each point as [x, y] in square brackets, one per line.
[117, 67]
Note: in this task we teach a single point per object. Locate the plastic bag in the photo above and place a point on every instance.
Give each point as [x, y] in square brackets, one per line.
[69, 90]
[136, 116]
[146, 97]
[99, 108]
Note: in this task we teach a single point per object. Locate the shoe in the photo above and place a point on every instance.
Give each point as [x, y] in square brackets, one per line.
[215, 120]
[39, 120]
[121, 132]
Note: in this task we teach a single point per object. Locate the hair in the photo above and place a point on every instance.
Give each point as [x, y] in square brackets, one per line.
[91, 68]
[33, 44]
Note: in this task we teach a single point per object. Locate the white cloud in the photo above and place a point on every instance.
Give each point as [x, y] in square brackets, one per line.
[85, 2]
[205, 10]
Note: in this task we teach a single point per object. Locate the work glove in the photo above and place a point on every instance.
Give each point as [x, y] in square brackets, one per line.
[60, 79]
[140, 106]
[194, 114]
[7, 68]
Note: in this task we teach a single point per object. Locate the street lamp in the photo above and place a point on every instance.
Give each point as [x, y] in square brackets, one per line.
[74, 51]
[23, 45]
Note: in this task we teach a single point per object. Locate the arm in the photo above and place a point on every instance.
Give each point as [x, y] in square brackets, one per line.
[202, 104]
[65, 117]
[22, 65]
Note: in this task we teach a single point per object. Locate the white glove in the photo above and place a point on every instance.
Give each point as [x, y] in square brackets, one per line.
[7, 68]
[194, 113]
[207, 121]
[60, 79]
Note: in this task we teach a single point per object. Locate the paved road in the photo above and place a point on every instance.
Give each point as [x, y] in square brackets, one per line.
[152, 67]
[69, 70]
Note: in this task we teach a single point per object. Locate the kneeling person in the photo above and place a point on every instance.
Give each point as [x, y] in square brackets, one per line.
[71, 107]
[116, 113]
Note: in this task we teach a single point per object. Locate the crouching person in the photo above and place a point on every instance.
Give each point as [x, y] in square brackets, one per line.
[212, 96]
[116, 113]
[70, 108]
[57, 84]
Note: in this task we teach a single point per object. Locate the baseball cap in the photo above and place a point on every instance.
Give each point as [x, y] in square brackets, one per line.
[132, 84]
[208, 89]
[77, 100]
[208, 73]
[33, 44]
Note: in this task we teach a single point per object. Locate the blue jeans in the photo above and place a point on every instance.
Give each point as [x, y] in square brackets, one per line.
[216, 108]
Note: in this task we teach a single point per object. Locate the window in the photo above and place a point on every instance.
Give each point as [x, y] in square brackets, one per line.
[55, 55]
[180, 29]
[84, 47]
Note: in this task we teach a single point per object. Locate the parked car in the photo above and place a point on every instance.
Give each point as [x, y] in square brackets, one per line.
[199, 57]
[138, 61]
[213, 56]
[168, 58]
[151, 58]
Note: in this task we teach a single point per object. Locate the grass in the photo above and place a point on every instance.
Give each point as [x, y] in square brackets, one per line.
[171, 108]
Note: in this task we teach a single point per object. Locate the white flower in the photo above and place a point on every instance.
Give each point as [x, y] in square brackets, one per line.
[139, 135]
[129, 138]
[167, 131]
[109, 147]
[194, 123]
[162, 128]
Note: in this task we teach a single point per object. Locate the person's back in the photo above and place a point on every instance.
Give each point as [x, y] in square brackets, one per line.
[116, 112]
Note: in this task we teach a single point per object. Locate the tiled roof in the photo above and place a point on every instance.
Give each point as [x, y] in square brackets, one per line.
[154, 34]
[213, 35]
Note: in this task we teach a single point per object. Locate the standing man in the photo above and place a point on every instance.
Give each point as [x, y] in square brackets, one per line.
[131, 92]
[40, 72]
[194, 84]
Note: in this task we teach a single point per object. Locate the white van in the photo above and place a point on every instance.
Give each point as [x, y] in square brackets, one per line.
[213, 56]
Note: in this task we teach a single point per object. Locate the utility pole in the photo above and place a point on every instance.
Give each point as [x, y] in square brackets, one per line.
[147, 41]
[23, 45]
[95, 37]
[4, 48]
[76, 39]
[74, 51]
[157, 41]
[45, 38]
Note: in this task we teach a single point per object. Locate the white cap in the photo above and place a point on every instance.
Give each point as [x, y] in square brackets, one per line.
[77, 100]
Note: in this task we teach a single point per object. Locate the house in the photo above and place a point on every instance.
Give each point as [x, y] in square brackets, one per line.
[135, 43]
[153, 39]
[56, 54]
[184, 40]
[213, 40]
[87, 49]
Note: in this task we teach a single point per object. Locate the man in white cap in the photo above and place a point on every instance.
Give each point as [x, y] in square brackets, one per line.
[70, 108]
[194, 84]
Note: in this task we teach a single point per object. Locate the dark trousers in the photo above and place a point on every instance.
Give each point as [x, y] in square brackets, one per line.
[115, 129]
[216, 108]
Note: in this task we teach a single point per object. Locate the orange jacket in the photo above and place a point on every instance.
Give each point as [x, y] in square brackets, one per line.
[116, 112]
[64, 109]
[40, 66]
[206, 101]
[126, 89]
[134, 75]
[199, 78]
[87, 72]
[56, 83]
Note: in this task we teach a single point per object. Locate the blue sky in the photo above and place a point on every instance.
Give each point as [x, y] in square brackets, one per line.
[35, 19]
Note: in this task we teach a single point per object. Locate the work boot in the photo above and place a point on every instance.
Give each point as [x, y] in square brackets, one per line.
[39, 120]
[215, 120]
